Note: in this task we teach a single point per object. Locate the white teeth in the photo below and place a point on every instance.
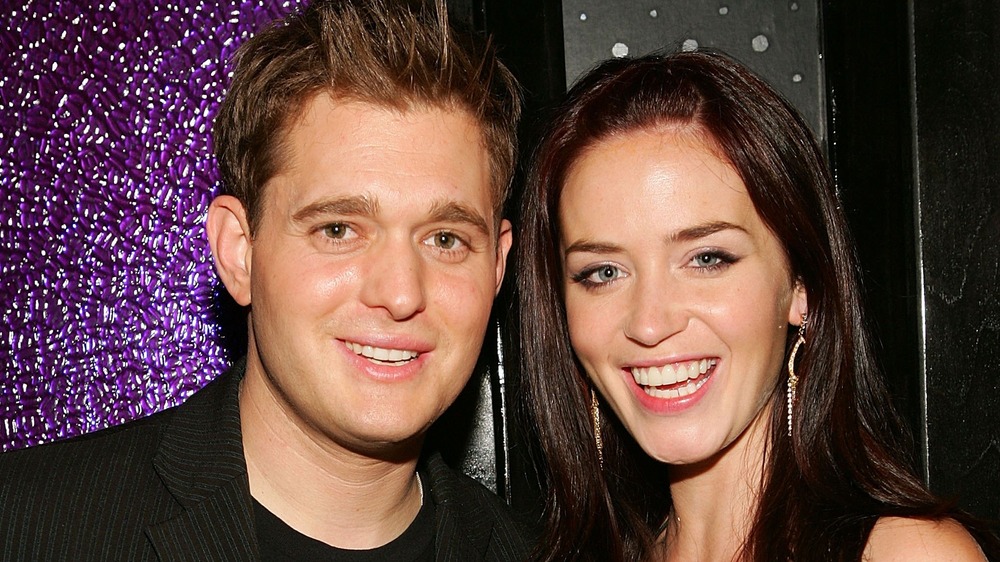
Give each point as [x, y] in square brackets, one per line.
[685, 390]
[682, 372]
[671, 374]
[381, 354]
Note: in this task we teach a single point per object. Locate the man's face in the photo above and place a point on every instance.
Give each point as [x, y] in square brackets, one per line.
[373, 270]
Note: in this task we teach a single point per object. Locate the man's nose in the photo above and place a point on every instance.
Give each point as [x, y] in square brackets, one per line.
[395, 279]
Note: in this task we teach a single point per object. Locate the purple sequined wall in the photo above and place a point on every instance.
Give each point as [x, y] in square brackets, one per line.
[106, 282]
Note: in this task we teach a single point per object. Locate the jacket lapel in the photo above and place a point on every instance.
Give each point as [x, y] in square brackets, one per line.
[200, 461]
[462, 532]
[214, 529]
[452, 539]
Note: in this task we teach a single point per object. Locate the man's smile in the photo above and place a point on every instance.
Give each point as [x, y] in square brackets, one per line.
[385, 356]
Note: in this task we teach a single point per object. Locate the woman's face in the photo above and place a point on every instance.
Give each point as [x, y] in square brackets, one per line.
[678, 297]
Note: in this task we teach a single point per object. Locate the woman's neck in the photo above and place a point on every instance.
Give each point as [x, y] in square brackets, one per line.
[714, 502]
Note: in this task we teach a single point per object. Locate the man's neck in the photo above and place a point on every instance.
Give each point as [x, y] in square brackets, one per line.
[330, 493]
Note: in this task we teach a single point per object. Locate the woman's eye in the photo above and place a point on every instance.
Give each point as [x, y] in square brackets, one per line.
[707, 260]
[599, 275]
[606, 273]
[713, 260]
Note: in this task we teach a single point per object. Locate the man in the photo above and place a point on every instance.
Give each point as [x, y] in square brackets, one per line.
[365, 155]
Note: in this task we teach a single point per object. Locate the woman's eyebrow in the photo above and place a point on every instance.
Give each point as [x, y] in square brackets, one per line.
[685, 235]
[588, 246]
[702, 230]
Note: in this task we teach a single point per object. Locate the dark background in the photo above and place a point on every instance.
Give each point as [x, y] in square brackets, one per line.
[903, 96]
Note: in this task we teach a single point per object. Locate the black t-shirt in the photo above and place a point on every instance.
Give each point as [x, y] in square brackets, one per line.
[280, 543]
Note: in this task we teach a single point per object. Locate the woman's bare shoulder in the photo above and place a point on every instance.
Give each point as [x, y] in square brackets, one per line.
[911, 539]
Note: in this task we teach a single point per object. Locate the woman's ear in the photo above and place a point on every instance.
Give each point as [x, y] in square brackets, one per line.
[229, 237]
[799, 307]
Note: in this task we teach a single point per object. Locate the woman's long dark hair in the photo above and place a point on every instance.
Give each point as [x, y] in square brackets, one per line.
[842, 468]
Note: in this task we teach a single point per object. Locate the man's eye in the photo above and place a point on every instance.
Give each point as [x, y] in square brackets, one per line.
[445, 240]
[337, 230]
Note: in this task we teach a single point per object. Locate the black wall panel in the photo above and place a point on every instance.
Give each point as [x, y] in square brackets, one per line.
[780, 40]
[956, 68]
[867, 58]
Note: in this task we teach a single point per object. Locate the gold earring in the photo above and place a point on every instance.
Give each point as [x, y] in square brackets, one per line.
[595, 413]
[793, 379]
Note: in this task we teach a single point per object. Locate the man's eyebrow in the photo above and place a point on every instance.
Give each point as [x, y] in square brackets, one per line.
[353, 205]
[452, 211]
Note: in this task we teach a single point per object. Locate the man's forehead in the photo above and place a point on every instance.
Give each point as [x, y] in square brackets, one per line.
[352, 157]
[399, 107]
[398, 104]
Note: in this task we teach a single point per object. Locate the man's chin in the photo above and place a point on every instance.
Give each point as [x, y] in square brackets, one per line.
[394, 447]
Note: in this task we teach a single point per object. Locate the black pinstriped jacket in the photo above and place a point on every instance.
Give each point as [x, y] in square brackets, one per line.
[174, 486]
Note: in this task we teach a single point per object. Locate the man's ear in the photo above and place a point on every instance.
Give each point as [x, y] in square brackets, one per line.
[506, 238]
[229, 237]
[799, 307]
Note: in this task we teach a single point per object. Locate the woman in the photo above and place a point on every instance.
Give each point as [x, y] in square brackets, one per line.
[694, 349]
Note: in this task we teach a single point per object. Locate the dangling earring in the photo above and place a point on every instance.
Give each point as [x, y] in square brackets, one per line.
[595, 414]
[793, 379]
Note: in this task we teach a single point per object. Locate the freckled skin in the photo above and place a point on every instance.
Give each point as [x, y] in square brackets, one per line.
[694, 274]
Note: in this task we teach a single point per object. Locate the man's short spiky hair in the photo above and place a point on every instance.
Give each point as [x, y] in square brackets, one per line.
[393, 53]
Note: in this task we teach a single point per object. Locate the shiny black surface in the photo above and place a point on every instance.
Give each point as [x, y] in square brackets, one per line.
[957, 67]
